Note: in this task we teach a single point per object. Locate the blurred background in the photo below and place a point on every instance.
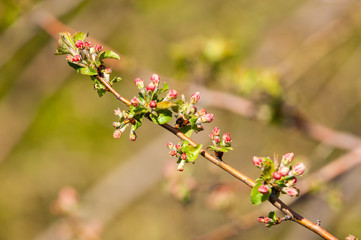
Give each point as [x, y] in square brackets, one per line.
[280, 76]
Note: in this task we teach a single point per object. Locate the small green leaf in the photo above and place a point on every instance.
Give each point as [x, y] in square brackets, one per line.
[115, 80]
[101, 92]
[164, 88]
[79, 36]
[256, 197]
[272, 215]
[164, 116]
[165, 104]
[187, 130]
[108, 54]
[87, 71]
[192, 152]
[268, 168]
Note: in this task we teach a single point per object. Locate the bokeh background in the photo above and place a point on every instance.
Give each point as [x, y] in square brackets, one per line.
[55, 131]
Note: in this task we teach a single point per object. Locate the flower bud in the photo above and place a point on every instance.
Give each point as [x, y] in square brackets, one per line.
[134, 101]
[287, 158]
[173, 153]
[155, 79]
[139, 82]
[211, 136]
[87, 45]
[132, 136]
[277, 175]
[266, 220]
[181, 166]
[184, 156]
[76, 58]
[216, 131]
[291, 191]
[79, 44]
[178, 147]
[153, 104]
[195, 97]
[172, 94]
[117, 133]
[118, 112]
[291, 182]
[170, 145]
[258, 162]
[261, 219]
[116, 124]
[202, 112]
[151, 87]
[226, 138]
[263, 189]
[207, 118]
[98, 47]
[284, 170]
[217, 139]
[108, 70]
[298, 169]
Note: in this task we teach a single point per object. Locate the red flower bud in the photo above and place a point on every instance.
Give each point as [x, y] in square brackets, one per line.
[195, 97]
[178, 147]
[153, 104]
[76, 58]
[287, 158]
[263, 189]
[172, 94]
[266, 220]
[87, 44]
[261, 219]
[216, 131]
[173, 153]
[291, 182]
[151, 86]
[98, 47]
[134, 101]
[79, 44]
[298, 169]
[277, 175]
[258, 162]
[211, 135]
[217, 139]
[108, 70]
[155, 79]
[184, 156]
[292, 192]
[226, 138]
[202, 112]
[170, 145]
[207, 118]
[284, 170]
[139, 82]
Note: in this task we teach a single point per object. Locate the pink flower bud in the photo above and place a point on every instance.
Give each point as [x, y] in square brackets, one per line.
[195, 97]
[172, 94]
[291, 182]
[170, 145]
[226, 138]
[277, 175]
[153, 104]
[217, 139]
[184, 156]
[108, 70]
[79, 44]
[207, 118]
[181, 166]
[284, 170]
[76, 58]
[261, 219]
[173, 153]
[155, 79]
[118, 112]
[87, 45]
[117, 133]
[263, 189]
[98, 47]
[287, 158]
[202, 112]
[116, 124]
[298, 169]
[132, 136]
[139, 82]
[178, 147]
[211, 135]
[216, 131]
[266, 220]
[291, 191]
[134, 101]
[258, 162]
[151, 86]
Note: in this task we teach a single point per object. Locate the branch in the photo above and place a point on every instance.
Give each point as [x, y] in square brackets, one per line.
[249, 182]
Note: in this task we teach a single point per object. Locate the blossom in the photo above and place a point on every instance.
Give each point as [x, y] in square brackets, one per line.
[98, 47]
[134, 101]
[287, 158]
[151, 87]
[153, 104]
[79, 44]
[155, 79]
[291, 191]
[195, 97]
[298, 169]
[263, 189]
[257, 161]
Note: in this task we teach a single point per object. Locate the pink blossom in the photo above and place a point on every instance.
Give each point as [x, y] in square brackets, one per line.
[226, 138]
[134, 101]
[108, 70]
[287, 158]
[139, 82]
[79, 44]
[263, 189]
[118, 112]
[292, 192]
[98, 47]
[261, 219]
[117, 133]
[284, 170]
[132, 136]
[87, 44]
[258, 162]
[170, 145]
[207, 118]
[173, 153]
[195, 97]
[153, 104]
[298, 169]
[266, 220]
[76, 58]
[116, 124]
[277, 175]
[211, 135]
[291, 182]
[202, 112]
[178, 147]
[151, 87]
[216, 131]
[184, 156]
[172, 94]
[155, 79]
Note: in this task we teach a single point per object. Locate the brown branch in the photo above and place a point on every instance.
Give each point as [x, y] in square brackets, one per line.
[249, 182]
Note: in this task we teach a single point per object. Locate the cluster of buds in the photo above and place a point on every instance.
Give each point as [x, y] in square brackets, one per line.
[220, 145]
[187, 113]
[278, 177]
[149, 95]
[271, 220]
[176, 151]
[124, 121]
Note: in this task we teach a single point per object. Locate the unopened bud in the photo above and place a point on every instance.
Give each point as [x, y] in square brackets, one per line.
[287, 158]
[195, 97]
[202, 112]
[132, 136]
[226, 139]
[155, 79]
[258, 162]
[170, 145]
[277, 175]
[151, 87]
[108, 70]
[298, 169]
[153, 104]
[172, 94]
[178, 147]
[87, 45]
[116, 124]
[118, 112]
[117, 133]
[98, 47]
[291, 182]
[211, 136]
[261, 219]
[284, 170]
[79, 44]
[207, 118]
[184, 156]
[263, 189]
[181, 166]
[76, 58]
[139, 82]
[266, 220]
[173, 153]
[134, 101]
[216, 131]
[291, 191]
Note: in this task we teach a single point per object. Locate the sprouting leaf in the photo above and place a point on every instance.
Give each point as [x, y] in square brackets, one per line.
[164, 116]
[115, 80]
[108, 54]
[101, 92]
[187, 130]
[79, 36]
[165, 104]
[268, 168]
[192, 152]
[164, 88]
[87, 71]
[256, 197]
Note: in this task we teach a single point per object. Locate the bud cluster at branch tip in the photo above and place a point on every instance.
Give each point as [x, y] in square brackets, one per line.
[220, 147]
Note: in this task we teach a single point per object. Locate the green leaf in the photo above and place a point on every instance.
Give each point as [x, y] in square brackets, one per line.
[115, 80]
[101, 92]
[164, 116]
[79, 36]
[268, 168]
[187, 130]
[75, 66]
[87, 71]
[108, 54]
[65, 42]
[164, 88]
[256, 197]
[165, 104]
[192, 152]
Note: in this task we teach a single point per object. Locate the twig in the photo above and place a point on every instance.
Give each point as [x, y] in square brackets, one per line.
[249, 182]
